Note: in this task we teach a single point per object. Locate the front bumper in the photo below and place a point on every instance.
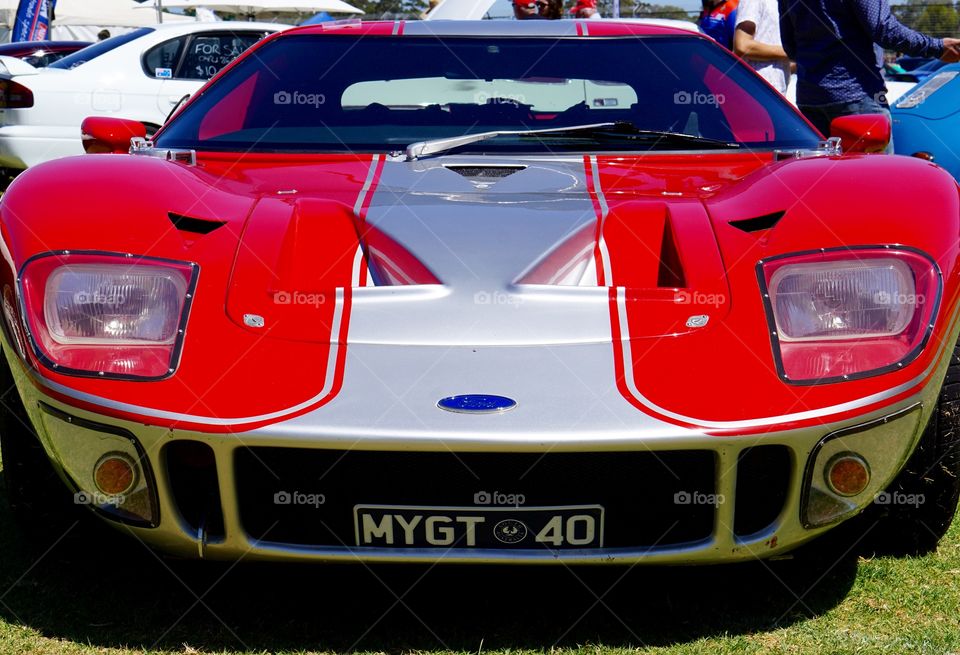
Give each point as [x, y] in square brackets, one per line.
[680, 499]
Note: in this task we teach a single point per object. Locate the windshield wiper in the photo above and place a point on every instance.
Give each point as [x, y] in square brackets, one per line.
[618, 130]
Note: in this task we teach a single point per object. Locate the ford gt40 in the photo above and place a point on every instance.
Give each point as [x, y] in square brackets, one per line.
[562, 291]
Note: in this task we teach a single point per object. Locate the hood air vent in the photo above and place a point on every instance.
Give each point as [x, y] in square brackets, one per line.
[765, 222]
[487, 172]
[194, 225]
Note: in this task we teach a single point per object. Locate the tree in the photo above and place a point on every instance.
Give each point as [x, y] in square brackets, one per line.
[634, 9]
[933, 18]
[646, 10]
[938, 20]
[390, 9]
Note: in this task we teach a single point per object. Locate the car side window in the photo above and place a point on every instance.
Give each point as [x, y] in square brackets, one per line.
[161, 61]
[207, 54]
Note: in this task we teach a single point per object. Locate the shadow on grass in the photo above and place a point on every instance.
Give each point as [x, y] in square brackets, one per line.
[102, 588]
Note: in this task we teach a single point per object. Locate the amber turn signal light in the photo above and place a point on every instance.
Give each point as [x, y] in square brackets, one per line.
[115, 474]
[847, 474]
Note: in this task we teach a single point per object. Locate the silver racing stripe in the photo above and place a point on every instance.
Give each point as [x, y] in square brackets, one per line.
[478, 241]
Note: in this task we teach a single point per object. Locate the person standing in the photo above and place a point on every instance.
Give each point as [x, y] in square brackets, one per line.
[757, 40]
[586, 9]
[718, 19]
[837, 45]
[550, 9]
[526, 10]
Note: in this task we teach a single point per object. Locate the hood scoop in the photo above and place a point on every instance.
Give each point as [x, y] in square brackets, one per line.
[639, 250]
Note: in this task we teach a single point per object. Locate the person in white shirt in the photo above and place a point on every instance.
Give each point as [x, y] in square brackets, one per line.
[757, 40]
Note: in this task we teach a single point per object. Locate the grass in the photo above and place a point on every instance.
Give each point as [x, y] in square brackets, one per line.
[94, 591]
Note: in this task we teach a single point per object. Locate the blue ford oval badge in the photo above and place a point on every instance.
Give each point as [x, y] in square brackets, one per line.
[477, 403]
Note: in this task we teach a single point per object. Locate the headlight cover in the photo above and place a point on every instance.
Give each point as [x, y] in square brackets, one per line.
[845, 314]
[884, 444]
[78, 445]
[105, 314]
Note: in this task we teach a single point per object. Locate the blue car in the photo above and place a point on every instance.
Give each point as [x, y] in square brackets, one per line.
[909, 63]
[926, 121]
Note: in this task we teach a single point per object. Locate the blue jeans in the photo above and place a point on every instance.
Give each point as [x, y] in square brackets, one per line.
[822, 115]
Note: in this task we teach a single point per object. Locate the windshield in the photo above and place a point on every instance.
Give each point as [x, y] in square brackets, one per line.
[311, 93]
[92, 52]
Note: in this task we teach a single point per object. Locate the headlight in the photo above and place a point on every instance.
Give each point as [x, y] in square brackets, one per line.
[843, 314]
[107, 315]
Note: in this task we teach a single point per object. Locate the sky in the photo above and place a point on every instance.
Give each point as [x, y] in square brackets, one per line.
[684, 4]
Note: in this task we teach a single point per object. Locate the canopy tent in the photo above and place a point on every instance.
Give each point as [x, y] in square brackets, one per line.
[460, 10]
[83, 19]
[120, 13]
[322, 17]
[261, 7]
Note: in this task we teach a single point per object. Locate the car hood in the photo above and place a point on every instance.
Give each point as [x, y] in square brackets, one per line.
[460, 250]
[552, 283]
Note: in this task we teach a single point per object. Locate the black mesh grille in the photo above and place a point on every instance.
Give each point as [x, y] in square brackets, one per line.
[763, 480]
[642, 492]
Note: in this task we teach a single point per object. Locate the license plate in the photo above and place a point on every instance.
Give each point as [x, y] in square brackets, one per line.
[389, 526]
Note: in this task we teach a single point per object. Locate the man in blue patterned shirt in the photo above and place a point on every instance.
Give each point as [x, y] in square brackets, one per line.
[837, 45]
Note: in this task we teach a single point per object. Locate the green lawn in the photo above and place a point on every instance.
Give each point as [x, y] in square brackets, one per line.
[94, 592]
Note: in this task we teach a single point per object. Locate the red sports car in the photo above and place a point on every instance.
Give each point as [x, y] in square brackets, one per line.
[554, 291]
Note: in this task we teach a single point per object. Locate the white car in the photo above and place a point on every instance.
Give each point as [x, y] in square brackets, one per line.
[141, 76]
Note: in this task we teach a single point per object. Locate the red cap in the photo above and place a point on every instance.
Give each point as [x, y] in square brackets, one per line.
[524, 3]
[583, 4]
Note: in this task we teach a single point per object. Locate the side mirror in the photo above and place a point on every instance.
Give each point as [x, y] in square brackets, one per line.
[110, 135]
[862, 132]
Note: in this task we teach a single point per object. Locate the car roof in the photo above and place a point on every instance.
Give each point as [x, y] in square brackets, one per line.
[534, 28]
